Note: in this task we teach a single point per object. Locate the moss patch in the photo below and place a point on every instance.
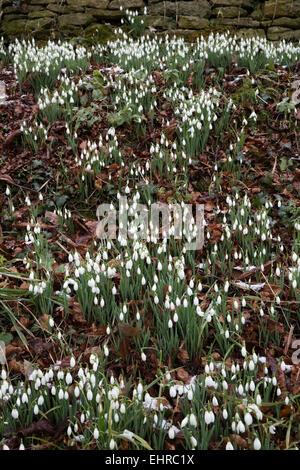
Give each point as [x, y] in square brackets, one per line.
[98, 33]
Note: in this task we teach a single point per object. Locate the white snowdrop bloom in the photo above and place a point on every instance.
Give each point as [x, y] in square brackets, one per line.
[248, 419]
[60, 375]
[193, 441]
[278, 272]
[193, 420]
[207, 417]
[122, 409]
[72, 362]
[258, 399]
[229, 446]
[171, 432]
[69, 378]
[184, 422]
[224, 385]
[24, 398]
[256, 444]
[15, 413]
[240, 429]
[215, 401]
[272, 429]
[40, 401]
[112, 444]
[96, 433]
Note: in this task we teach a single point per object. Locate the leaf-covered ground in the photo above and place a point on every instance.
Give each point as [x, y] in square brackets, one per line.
[140, 343]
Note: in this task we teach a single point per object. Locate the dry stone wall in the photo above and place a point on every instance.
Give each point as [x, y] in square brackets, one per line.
[275, 19]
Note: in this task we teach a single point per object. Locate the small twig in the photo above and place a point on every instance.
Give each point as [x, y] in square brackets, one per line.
[289, 340]
[274, 166]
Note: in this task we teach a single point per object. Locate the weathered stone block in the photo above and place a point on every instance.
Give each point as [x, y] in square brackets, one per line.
[247, 22]
[65, 9]
[233, 3]
[42, 2]
[162, 9]
[192, 22]
[248, 32]
[288, 22]
[11, 9]
[13, 27]
[160, 22]
[229, 12]
[15, 17]
[275, 33]
[88, 3]
[41, 14]
[19, 27]
[34, 8]
[76, 19]
[276, 8]
[194, 8]
[116, 4]
[105, 14]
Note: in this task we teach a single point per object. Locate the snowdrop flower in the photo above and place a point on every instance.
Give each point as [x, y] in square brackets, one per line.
[193, 441]
[193, 420]
[229, 446]
[15, 413]
[72, 362]
[171, 432]
[112, 444]
[248, 419]
[256, 444]
[69, 378]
